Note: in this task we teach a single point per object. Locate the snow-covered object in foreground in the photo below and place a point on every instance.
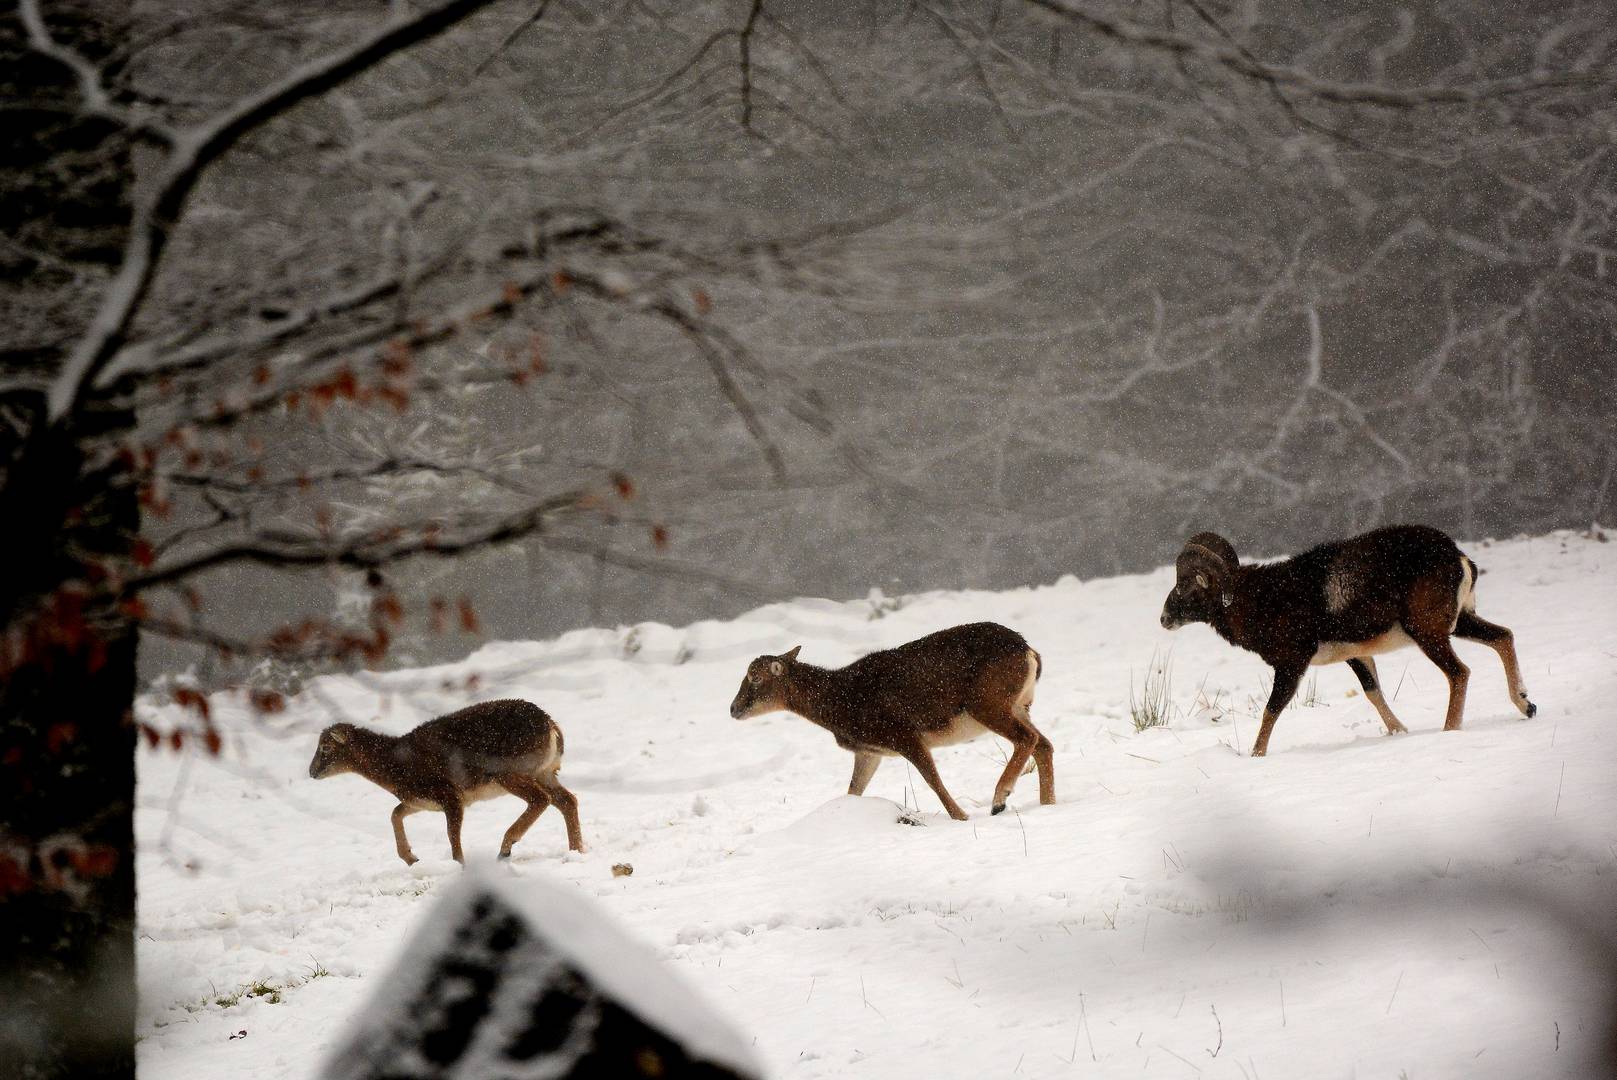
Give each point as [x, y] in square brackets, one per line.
[523, 978]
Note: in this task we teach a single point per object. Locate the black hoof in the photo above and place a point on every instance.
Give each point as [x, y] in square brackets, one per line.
[998, 808]
[1532, 710]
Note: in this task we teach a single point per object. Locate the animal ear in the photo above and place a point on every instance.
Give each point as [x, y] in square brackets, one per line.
[776, 667]
[791, 654]
[338, 735]
[1201, 580]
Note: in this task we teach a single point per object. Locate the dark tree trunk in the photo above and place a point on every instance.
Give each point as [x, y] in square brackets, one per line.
[67, 655]
[67, 872]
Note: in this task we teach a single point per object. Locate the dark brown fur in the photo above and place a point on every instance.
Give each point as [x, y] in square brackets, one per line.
[1349, 600]
[904, 701]
[480, 752]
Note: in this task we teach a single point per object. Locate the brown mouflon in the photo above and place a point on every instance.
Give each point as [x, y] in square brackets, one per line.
[938, 690]
[1349, 600]
[483, 751]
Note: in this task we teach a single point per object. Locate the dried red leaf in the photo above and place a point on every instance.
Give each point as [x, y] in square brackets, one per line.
[561, 281]
[267, 701]
[14, 879]
[151, 735]
[94, 860]
[212, 740]
[703, 302]
[624, 486]
[659, 536]
[193, 699]
[468, 616]
[142, 552]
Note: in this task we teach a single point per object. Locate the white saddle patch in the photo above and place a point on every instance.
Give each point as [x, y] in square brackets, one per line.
[1339, 590]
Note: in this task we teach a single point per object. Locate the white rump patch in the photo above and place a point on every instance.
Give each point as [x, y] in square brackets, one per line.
[1024, 696]
[1467, 598]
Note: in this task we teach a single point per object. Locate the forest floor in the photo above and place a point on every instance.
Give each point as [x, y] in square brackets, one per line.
[1353, 905]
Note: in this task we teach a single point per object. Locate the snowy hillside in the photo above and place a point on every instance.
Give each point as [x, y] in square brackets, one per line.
[1431, 905]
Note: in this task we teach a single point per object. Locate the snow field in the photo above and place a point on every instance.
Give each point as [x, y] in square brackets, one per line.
[1431, 905]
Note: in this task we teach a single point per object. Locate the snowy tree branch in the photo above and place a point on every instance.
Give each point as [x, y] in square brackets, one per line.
[192, 150]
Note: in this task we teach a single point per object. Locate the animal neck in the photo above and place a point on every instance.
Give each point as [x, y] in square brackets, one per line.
[368, 754]
[1226, 620]
[813, 694]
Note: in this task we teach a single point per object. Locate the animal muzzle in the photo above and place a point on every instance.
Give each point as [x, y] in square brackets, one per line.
[1171, 622]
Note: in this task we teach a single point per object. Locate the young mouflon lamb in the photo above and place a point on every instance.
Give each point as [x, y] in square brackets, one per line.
[938, 690]
[481, 752]
[1348, 601]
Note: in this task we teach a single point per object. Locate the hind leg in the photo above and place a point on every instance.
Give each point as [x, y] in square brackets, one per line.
[1438, 650]
[1473, 627]
[1431, 614]
[567, 803]
[538, 802]
[1365, 668]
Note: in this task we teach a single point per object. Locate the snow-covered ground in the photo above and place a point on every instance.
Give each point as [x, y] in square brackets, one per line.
[1431, 905]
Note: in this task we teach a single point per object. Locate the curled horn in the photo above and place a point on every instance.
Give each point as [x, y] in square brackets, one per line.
[1215, 553]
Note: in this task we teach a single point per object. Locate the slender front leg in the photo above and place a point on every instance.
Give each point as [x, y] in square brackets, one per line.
[1365, 668]
[919, 756]
[454, 812]
[402, 842]
[864, 767]
[1287, 676]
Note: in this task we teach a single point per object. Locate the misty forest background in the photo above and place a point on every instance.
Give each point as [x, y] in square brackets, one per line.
[991, 292]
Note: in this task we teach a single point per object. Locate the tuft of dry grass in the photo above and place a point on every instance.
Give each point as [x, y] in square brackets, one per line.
[1151, 705]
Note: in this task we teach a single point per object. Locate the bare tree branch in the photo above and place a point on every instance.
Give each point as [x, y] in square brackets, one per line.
[1241, 62]
[192, 150]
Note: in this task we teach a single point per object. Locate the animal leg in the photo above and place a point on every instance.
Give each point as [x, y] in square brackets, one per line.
[919, 756]
[454, 814]
[1365, 668]
[538, 802]
[1438, 650]
[567, 803]
[864, 767]
[1027, 744]
[402, 842]
[1287, 676]
[1473, 627]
